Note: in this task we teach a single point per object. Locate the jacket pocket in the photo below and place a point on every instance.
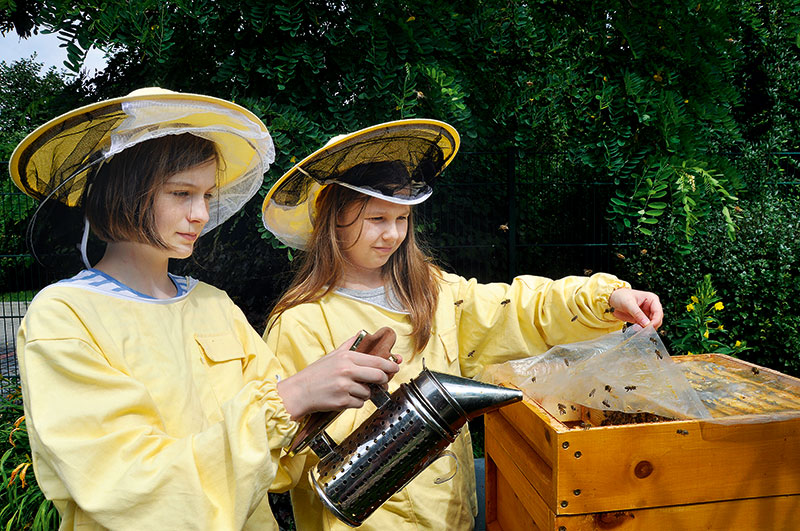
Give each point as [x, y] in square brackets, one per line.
[220, 348]
[223, 358]
[449, 342]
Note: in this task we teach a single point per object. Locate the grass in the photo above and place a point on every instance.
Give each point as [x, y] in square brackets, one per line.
[17, 296]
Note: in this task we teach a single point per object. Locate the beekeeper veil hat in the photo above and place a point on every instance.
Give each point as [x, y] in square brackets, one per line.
[395, 161]
[55, 161]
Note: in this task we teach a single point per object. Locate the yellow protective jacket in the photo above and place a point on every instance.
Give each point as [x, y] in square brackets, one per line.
[475, 325]
[147, 415]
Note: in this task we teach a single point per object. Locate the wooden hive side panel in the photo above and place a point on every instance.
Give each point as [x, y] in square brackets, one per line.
[753, 514]
[512, 499]
[514, 452]
[672, 463]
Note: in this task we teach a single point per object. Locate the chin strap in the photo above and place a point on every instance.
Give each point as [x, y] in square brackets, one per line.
[84, 240]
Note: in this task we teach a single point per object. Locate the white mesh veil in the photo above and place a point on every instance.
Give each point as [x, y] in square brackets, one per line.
[246, 148]
[54, 161]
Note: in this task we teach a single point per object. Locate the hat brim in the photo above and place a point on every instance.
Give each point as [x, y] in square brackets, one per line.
[54, 160]
[291, 220]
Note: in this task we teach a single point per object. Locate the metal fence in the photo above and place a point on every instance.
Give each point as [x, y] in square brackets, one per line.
[15, 271]
[496, 215]
[480, 223]
[493, 216]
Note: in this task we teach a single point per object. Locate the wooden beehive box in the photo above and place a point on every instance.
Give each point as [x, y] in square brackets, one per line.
[740, 470]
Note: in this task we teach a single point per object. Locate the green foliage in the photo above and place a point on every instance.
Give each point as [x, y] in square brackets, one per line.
[28, 98]
[652, 98]
[16, 296]
[651, 92]
[757, 276]
[701, 329]
[695, 191]
[22, 503]
[18, 15]
[643, 97]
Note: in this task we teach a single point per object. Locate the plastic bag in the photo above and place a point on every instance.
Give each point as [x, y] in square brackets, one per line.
[629, 372]
[737, 392]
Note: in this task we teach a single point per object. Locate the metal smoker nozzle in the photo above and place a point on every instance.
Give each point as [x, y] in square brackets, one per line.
[456, 400]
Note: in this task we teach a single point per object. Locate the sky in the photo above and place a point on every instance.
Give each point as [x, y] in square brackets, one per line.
[47, 51]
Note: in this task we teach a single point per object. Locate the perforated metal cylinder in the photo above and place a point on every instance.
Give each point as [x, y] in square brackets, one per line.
[378, 459]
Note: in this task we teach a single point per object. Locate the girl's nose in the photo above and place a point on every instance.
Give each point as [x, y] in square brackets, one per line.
[391, 232]
[199, 210]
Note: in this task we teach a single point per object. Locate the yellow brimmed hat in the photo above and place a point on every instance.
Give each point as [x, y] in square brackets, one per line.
[396, 161]
[55, 160]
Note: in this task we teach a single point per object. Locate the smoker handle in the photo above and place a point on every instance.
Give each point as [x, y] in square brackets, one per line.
[447, 453]
[313, 425]
[379, 396]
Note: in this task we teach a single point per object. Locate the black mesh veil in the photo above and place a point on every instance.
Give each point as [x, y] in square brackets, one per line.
[56, 162]
[415, 163]
[396, 161]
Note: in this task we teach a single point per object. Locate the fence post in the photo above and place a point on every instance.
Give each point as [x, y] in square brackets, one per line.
[511, 184]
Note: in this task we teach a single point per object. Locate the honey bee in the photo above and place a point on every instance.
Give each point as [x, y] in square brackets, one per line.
[682, 432]
[573, 408]
[653, 341]
[503, 227]
[630, 387]
[588, 272]
[620, 256]
[610, 309]
[755, 370]
[605, 403]
[459, 302]
[470, 354]
[533, 379]
[574, 317]
[562, 409]
[591, 393]
[505, 302]
[608, 388]
[566, 362]
[658, 353]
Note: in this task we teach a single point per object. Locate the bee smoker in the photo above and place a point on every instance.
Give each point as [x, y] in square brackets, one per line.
[410, 429]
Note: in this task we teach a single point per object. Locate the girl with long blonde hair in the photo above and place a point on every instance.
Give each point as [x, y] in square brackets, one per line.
[349, 208]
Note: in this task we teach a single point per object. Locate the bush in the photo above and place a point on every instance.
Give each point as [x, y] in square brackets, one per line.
[22, 503]
[757, 276]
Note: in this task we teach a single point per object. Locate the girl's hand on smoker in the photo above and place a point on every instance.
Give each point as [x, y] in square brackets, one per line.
[336, 381]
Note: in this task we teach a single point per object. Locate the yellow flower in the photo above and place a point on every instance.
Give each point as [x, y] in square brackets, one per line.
[689, 352]
[689, 307]
[719, 306]
[293, 160]
[737, 344]
[705, 334]
[720, 327]
[695, 299]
